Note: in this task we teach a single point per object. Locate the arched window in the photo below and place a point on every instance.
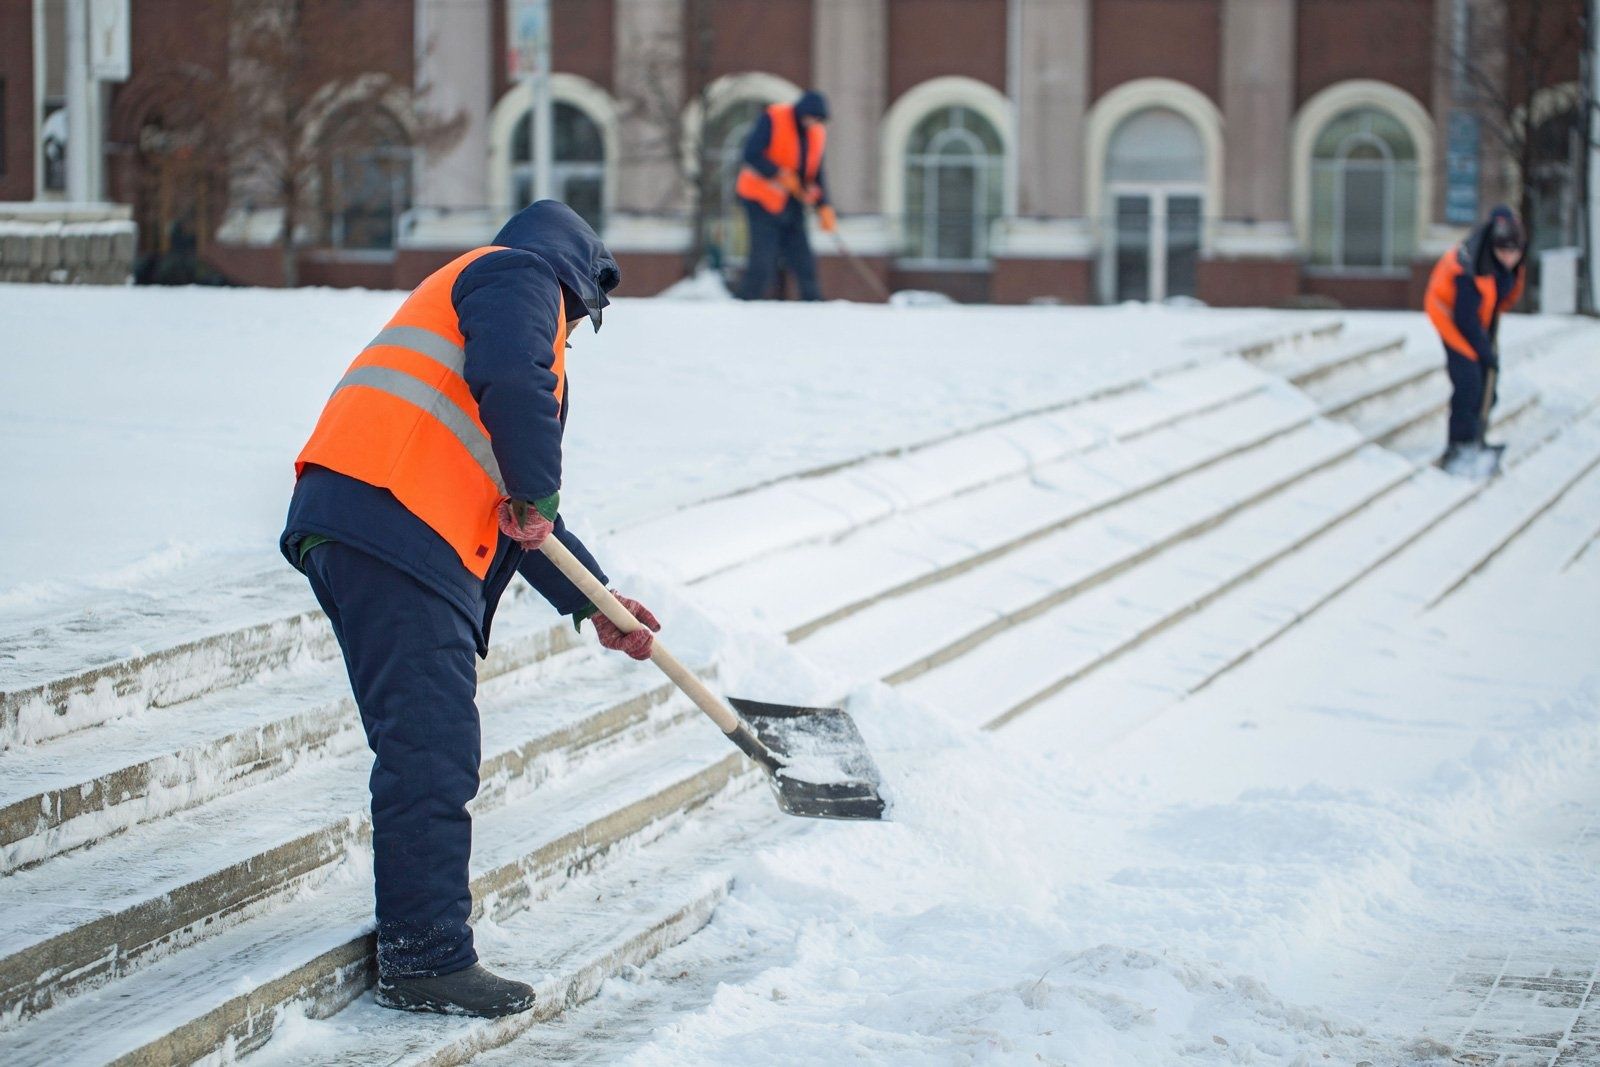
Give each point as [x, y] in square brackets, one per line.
[1155, 190]
[577, 163]
[954, 186]
[366, 178]
[726, 237]
[1363, 192]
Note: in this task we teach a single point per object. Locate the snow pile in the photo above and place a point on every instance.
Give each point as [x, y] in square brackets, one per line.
[1245, 880]
[706, 284]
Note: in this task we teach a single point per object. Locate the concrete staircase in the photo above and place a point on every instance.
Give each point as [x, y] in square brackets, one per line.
[183, 834]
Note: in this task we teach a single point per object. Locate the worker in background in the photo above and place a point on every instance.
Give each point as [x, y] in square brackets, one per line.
[781, 177]
[430, 480]
[1471, 286]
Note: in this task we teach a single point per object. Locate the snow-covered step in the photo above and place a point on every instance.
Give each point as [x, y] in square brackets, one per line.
[224, 995]
[566, 945]
[1345, 354]
[1115, 700]
[1007, 675]
[706, 538]
[84, 917]
[1505, 509]
[1343, 397]
[1423, 513]
[1290, 333]
[802, 589]
[898, 637]
[41, 705]
[90, 784]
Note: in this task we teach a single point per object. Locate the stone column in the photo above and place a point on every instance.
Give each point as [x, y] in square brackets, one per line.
[454, 39]
[1053, 96]
[850, 63]
[1258, 48]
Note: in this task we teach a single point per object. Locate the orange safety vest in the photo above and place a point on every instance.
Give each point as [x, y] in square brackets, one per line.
[1440, 302]
[402, 418]
[783, 150]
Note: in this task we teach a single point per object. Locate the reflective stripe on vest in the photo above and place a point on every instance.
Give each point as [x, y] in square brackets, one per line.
[403, 418]
[783, 151]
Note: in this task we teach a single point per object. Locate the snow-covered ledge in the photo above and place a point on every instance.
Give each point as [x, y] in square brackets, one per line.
[67, 242]
[1020, 238]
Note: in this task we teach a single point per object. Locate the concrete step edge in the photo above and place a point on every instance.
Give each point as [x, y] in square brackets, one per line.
[1183, 611]
[227, 1020]
[118, 943]
[153, 784]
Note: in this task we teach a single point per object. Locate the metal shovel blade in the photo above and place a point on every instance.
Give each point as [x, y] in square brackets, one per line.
[826, 771]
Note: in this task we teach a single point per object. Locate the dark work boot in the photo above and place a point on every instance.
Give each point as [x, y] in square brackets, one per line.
[474, 991]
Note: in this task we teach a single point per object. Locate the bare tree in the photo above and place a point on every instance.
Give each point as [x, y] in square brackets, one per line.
[1515, 53]
[674, 104]
[288, 75]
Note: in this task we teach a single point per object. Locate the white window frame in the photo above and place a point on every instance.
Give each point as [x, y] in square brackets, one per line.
[902, 119]
[932, 161]
[513, 108]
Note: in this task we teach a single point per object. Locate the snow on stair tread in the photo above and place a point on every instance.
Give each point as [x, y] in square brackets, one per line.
[1361, 386]
[1504, 508]
[545, 945]
[1556, 537]
[328, 795]
[783, 513]
[271, 696]
[1110, 703]
[158, 998]
[207, 597]
[1298, 364]
[1006, 670]
[876, 641]
[795, 586]
[189, 751]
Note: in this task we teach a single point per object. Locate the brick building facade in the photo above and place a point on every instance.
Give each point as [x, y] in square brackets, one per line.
[1235, 151]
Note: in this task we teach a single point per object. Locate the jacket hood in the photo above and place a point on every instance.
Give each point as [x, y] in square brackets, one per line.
[559, 236]
[1478, 250]
[811, 103]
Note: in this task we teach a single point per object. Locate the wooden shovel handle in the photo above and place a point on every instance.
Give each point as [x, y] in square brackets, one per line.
[612, 608]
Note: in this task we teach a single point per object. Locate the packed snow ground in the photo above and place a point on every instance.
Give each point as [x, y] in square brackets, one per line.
[1295, 865]
[143, 429]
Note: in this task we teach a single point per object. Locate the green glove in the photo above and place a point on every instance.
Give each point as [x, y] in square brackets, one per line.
[545, 505]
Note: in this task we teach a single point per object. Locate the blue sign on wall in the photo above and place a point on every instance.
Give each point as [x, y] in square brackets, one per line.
[1461, 169]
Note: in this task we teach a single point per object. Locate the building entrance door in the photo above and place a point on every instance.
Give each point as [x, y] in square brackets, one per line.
[1157, 243]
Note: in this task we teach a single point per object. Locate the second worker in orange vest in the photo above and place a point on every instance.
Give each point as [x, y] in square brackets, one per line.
[1472, 285]
[432, 473]
[782, 176]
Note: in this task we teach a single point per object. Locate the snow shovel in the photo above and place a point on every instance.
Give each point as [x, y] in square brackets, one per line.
[816, 760]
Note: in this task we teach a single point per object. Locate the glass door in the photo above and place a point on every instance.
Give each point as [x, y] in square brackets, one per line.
[1155, 252]
[1131, 276]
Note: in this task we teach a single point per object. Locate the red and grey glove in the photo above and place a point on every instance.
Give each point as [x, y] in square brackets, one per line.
[636, 644]
[529, 524]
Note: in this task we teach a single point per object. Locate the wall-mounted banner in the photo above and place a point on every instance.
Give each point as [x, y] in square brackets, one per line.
[527, 23]
[108, 40]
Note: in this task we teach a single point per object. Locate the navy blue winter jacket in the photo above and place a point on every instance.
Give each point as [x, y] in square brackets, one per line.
[509, 304]
[1480, 254]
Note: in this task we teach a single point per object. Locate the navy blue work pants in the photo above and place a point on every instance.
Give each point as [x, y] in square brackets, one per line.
[412, 660]
[774, 238]
[1469, 379]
